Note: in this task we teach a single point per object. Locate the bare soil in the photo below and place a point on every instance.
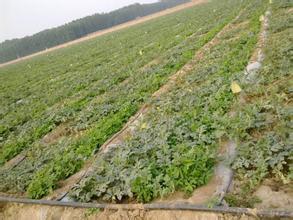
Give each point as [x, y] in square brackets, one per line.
[14, 161]
[112, 29]
[275, 196]
[55, 135]
[34, 212]
[257, 56]
[290, 10]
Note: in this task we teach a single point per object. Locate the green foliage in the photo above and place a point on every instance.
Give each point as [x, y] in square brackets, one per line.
[43, 186]
[175, 150]
[263, 125]
[188, 170]
[45, 180]
[244, 199]
[44, 129]
[12, 149]
[91, 211]
[92, 95]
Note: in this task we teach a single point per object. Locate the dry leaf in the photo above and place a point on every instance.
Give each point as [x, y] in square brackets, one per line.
[143, 126]
[262, 18]
[235, 88]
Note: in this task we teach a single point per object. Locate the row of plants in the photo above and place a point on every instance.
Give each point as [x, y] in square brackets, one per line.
[80, 88]
[175, 146]
[263, 125]
[99, 117]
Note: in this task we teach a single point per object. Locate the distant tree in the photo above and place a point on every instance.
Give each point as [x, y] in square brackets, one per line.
[16, 48]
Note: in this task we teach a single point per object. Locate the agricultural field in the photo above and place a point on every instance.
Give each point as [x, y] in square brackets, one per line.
[175, 148]
[263, 126]
[84, 94]
[58, 109]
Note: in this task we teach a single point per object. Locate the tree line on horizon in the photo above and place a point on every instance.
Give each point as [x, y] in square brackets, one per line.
[16, 48]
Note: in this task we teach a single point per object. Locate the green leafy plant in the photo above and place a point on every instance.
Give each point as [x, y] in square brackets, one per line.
[175, 150]
[92, 95]
[262, 125]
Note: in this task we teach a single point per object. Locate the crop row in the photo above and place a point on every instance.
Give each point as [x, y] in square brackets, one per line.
[175, 146]
[82, 84]
[263, 126]
[94, 94]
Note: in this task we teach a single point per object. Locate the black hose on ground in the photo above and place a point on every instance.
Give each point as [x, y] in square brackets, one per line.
[155, 206]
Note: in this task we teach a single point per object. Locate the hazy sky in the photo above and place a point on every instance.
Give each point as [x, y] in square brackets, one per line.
[19, 18]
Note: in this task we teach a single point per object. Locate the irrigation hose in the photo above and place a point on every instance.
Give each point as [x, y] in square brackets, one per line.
[155, 206]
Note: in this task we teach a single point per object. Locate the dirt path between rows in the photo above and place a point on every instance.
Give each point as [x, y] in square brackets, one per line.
[110, 30]
[42, 212]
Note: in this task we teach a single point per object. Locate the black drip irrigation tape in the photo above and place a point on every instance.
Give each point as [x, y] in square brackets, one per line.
[158, 206]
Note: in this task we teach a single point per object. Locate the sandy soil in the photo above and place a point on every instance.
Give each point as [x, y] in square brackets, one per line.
[273, 196]
[112, 29]
[34, 212]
